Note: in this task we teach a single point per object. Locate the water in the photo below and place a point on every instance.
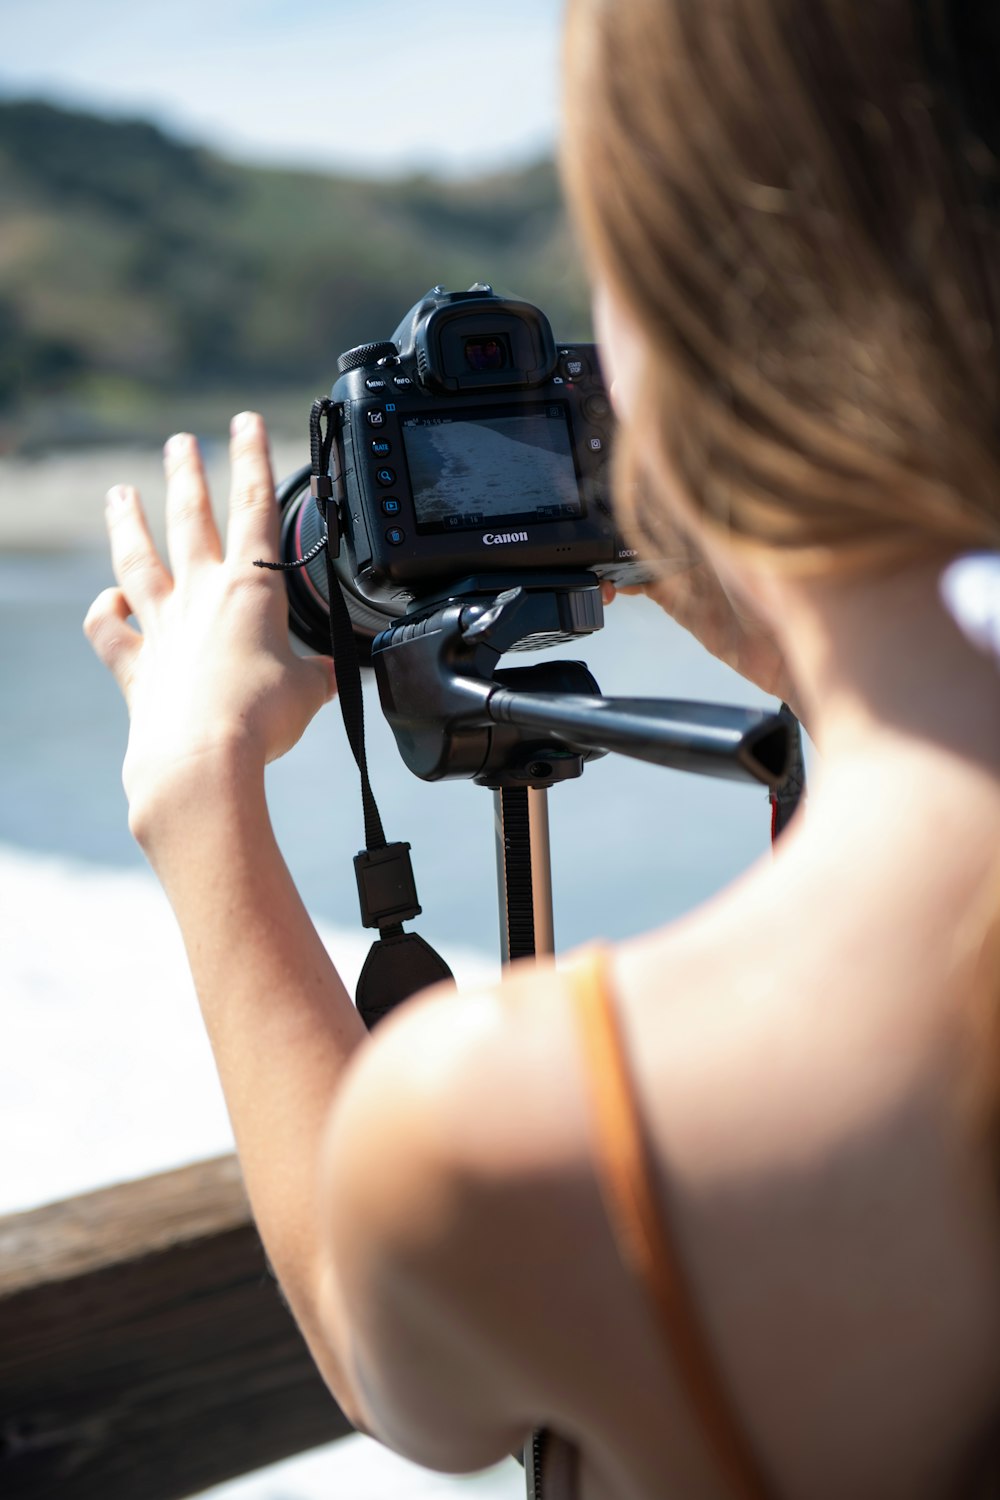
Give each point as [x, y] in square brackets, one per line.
[105, 1073]
[632, 845]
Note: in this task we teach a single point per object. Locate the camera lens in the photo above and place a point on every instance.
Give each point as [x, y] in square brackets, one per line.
[487, 353]
[308, 597]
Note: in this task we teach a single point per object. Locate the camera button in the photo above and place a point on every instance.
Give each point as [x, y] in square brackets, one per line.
[597, 408]
[381, 447]
[574, 367]
[390, 505]
[375, 417]
[403, 382]
[395, 536]
[596, 442]
[385, 477]
[375, 383]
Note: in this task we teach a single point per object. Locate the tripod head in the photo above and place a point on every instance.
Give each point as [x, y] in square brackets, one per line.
[455, 715]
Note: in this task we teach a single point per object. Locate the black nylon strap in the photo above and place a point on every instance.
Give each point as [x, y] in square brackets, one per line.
[345, 659]
[345, 654]
[399, 962]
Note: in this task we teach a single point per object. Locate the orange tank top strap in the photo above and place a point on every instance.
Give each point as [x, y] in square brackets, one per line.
[641, 1227]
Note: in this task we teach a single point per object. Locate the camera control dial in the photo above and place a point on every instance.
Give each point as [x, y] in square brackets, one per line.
[364, 354]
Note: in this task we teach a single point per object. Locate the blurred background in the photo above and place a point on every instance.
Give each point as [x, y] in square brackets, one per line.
[201, 206]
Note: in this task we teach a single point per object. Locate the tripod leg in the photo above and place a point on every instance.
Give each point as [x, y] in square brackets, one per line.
[524, 873]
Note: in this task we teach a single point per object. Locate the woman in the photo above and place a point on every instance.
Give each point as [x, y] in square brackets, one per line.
[789, 211]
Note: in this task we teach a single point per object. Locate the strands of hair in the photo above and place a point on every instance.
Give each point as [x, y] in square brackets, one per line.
[798, 206]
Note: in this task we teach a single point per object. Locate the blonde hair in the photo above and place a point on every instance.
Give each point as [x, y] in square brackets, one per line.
[799, 220]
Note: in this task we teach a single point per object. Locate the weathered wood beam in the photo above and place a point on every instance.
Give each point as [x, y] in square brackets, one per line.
[145, 1352]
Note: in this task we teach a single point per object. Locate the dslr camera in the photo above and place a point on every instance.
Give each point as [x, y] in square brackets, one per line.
[470, 453]
[458, 502]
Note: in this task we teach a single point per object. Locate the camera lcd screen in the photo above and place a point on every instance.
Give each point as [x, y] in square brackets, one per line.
[509, 463]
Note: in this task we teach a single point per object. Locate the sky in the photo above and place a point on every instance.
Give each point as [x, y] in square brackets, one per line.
[376, 87]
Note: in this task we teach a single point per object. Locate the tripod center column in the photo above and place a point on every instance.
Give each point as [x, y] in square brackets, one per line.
[524, 873]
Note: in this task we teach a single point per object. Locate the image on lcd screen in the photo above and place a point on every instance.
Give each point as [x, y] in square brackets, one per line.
[513, 464]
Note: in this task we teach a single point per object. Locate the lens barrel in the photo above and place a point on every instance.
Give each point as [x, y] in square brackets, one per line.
[302, 527]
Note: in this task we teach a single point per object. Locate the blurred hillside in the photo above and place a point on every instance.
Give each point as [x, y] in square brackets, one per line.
[146, 284]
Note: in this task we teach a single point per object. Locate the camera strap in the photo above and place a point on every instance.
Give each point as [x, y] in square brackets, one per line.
[400, 963]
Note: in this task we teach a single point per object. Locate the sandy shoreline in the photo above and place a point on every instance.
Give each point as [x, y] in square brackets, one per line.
[56, 503]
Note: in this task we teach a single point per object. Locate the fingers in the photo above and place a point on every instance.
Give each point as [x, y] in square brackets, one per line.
[116, 642]
[137, 564]
[253, 515]
[192, 535]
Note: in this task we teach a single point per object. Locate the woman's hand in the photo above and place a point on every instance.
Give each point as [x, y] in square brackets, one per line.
[695, 596]
[211, 682]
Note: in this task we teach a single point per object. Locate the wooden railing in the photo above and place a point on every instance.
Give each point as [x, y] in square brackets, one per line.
[145, 1351]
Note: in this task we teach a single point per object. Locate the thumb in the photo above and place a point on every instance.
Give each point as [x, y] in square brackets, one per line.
[323, 670]
[114, 640]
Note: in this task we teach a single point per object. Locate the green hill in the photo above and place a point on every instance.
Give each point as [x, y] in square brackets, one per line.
[142, 279]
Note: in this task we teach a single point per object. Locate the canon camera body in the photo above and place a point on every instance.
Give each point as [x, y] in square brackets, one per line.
[470, 444]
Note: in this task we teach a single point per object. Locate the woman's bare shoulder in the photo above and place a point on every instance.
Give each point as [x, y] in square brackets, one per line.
[805, 1162]
[805, 1106]
[488, 1072]
[454, 1167]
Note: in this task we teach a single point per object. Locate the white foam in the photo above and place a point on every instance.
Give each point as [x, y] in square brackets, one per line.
[105, 1070]
[106, 1075]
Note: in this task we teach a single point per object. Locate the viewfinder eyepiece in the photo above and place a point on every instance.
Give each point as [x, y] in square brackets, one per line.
[489, 352]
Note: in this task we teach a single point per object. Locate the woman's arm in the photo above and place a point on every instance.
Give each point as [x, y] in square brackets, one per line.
[280, 1022]
[214, 692]
[695, 596]
[365, 1218]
